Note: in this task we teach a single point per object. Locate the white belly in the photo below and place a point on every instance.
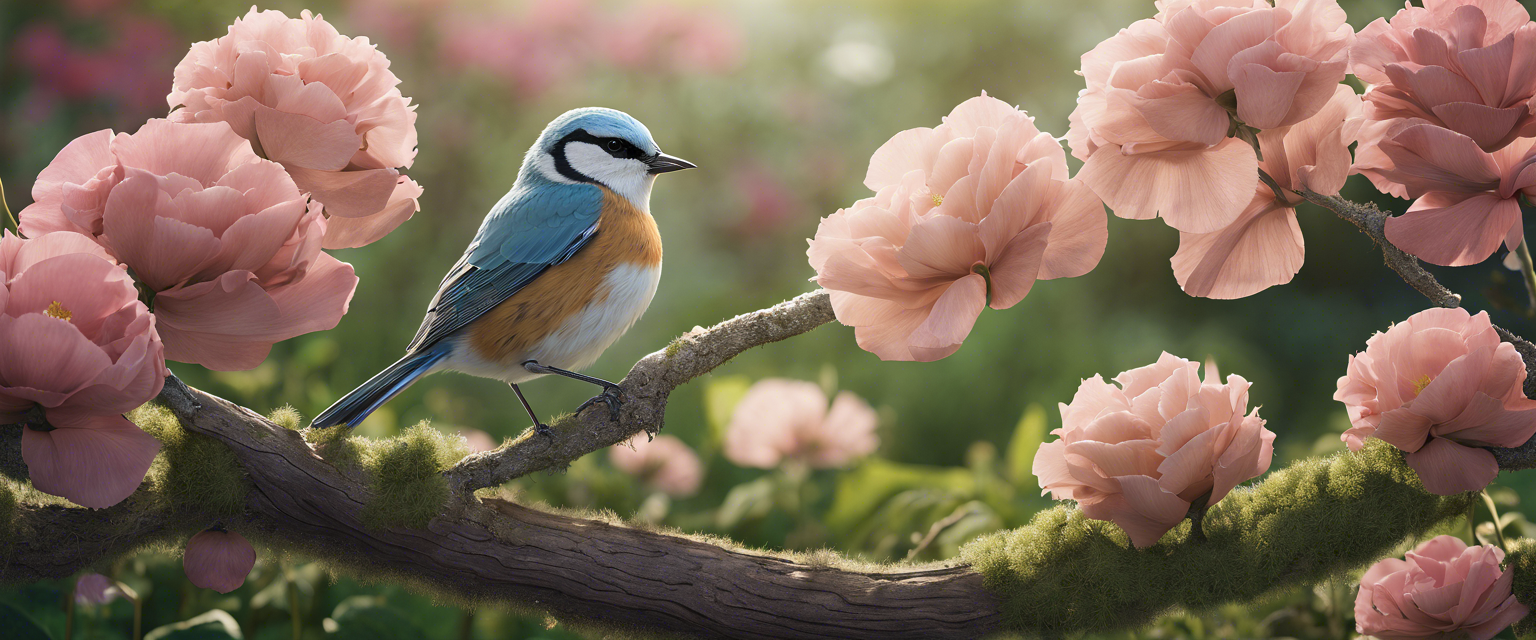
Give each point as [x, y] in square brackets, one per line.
[578, 341]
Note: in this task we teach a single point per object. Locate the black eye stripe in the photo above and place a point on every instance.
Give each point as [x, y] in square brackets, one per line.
[616, 147]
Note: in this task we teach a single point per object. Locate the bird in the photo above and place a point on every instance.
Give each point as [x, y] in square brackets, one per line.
[562, 266]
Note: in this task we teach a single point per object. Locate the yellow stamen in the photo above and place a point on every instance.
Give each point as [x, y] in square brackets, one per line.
[1423, 381]
[937, 199]
[57, 310]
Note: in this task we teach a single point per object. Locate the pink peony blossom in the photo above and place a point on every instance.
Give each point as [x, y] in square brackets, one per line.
[966, 215]
[325, 106]
[1459, 64]
[782, 420]
[1467, 200]
[1154, 122]
[666, 37]
[222, 238]
[1443, 589]
[663, 462]
[1440, 385]
[94, 588]
[218, 559]
[1263, 247]
[1141, 453]
[76, 342]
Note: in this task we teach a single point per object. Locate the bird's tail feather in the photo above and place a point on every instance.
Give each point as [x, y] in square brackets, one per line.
[351, 409]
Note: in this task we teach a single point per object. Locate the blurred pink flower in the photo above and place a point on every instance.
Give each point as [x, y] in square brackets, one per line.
[668, 38]
[1153, 123]
[664, 462]
[223, 238]
[1440, 386]
[124, 70]
[218, 559]
[325, 106]
[966, 215]
[769, 201]
[1460, 64]
[76, 342]
[94, 588]
[783, 419]
[478, 440]
[1467, 200]
[1263, 247]
[1139, 454]
[1444, 589]
[531, 50]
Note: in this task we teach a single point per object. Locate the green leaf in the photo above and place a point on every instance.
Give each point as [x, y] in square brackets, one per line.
[20, 626]
[366, 618]
[721, 395]
[862, 491]
[1027, 438]
[213, 625]
[746, 501]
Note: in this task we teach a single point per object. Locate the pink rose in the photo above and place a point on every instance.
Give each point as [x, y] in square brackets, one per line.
[325, 106]
[1440, 386]
[1141, 453]
[1459, 64]
[782, 420]
[1443, 589]
[76, 342]
[94, 588]
[664, 462]
[218, 559]
[1154, 122]
[1263, 247]
[966, 215]
[225, 241]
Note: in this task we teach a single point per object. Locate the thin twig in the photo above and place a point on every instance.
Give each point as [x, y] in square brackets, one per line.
[1372, 222]
[9, 217]
[1493, 510]
[1528, 270]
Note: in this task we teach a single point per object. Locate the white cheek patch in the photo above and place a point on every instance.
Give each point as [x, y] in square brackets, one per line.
[545, 164]
[627, 177]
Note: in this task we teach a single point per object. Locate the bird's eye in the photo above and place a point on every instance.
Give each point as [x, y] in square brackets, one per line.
[614, 145]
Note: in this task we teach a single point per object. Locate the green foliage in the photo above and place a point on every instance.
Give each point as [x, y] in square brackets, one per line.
[193, 472]
[213, 625]
[1065, 573]
[406, 476]
[368, 618]
[1027, 438]
[1522, 561]
[20, 626]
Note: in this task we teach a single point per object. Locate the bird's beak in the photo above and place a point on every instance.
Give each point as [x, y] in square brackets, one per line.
[663, 163]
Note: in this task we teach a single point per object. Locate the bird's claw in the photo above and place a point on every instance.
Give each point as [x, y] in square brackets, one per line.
[612, 396]
[541, 429]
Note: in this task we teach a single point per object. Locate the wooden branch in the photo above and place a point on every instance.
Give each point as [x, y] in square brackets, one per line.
[644, 394]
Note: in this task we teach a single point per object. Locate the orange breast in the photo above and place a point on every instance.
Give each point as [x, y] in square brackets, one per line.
[625, 235]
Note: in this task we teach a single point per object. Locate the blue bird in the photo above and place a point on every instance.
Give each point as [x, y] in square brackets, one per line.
[562, 266]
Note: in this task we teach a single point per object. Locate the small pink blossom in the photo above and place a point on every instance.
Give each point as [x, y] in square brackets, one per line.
[218, 559]
[966, 215]
[665, 37]
[1443, 589]
[781, 420]
[478, 440]
[1263, 247]
[225, 241]
[324, 105]
[76, 342]
[94, 588]
[1139, 454]
[1440, 386]
[663, 462]
[1459, 64]
[1154, 122]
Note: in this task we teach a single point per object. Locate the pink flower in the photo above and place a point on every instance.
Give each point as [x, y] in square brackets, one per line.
[1263, 247]
[218, 559]
[325, 106]
[1467, 199]
[478, 440]
[782, 419]
[1140, 454]
[1459, 64]
[76, 342]
[1153, 123]
[1440, 385]
[1444, 589]
[664, 462]
[966, 215]
[223, 239]
[665, 37]
[94, 588]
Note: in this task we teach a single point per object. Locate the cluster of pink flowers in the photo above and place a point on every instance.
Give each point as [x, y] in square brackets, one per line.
[1442, 589]
[1440, 386]
[966, 215]
[1142, 453]
[1450, 121]
[663, 462]
[783, 421]
[124, 72]
[198, 238]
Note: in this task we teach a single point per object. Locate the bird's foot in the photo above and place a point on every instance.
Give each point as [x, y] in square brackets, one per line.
[612, 396]
[541, 429]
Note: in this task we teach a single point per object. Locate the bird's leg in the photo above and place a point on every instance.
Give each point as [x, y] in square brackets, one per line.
[538, 426]
[610, 396]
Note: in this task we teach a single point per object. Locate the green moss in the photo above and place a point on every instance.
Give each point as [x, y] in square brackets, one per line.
[193, 472]
[674, 347]
[1063, 573]
[287, 417]
[405, 473]
[8, 504]
[1522, 561]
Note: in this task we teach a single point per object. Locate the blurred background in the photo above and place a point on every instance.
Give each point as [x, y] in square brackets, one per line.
[780, 103]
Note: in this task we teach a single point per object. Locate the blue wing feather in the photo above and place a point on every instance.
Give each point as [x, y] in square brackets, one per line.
[538, 224]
